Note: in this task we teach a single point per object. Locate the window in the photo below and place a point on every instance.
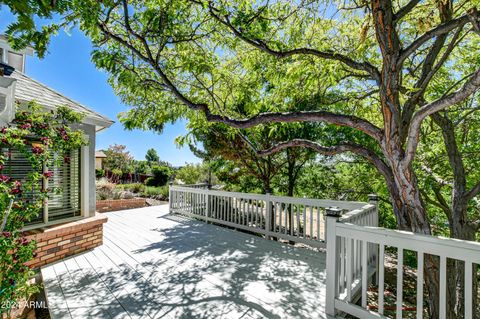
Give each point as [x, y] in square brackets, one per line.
[2, 60]
[65, 203]
[18, 167]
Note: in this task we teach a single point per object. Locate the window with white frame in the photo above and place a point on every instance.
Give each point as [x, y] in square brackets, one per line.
[64, 185]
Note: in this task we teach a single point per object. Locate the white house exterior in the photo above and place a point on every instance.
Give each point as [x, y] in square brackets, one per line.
[77, 178]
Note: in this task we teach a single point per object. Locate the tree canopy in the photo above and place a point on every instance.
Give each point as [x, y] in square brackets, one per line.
[381, 79]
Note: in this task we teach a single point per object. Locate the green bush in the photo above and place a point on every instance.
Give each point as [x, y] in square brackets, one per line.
[134, 187]
[161, 175]
[99, 173]
[160, 193]
[150, 182]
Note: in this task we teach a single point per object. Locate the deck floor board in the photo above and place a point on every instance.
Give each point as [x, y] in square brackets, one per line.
[156, 265]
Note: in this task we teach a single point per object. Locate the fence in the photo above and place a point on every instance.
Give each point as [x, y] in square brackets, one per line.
[356, 247]
[294, 219]
[349, 246]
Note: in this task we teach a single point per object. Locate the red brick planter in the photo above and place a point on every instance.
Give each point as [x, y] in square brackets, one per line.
[111, 205]
[57, 242]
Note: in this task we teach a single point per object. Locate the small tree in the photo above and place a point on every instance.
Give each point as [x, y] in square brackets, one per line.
[161, 174]
[37, 136]
[118, 161]
[152, 156]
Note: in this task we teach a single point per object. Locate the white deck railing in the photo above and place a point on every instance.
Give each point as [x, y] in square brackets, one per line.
[350, 245]
[355, 246]
[294, 219]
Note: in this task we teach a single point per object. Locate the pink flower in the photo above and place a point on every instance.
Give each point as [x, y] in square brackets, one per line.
[7, 234]
[4, 179]
[37, 150]
[16, 188]
[45, 140]
[25, 126]
[48, 174]
[1, 167]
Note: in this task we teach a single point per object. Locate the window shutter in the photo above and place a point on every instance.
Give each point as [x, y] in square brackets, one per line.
[66, 177]
[17, 167]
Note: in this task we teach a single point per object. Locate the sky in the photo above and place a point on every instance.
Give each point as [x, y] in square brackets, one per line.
[67, 69]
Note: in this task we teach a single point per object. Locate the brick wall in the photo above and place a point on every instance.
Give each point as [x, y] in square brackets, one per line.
[55, 243]
[111, 205]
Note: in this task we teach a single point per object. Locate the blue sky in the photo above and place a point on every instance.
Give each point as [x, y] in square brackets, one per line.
[67, 68]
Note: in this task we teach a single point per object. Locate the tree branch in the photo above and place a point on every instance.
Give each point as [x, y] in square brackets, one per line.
[329, 55]
[371, 156]
[406, 9]
[439, 30]
[470, 87]
[473, 192]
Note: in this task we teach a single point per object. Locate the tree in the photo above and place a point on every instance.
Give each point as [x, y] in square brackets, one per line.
[118, 161]
[161, 175]
[219, 141]
[192, 174]
[387, 79]
[152, 156]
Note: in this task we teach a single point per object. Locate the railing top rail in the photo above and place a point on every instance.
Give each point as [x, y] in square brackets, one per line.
[346, 205]
[439, 246]
[191, 185]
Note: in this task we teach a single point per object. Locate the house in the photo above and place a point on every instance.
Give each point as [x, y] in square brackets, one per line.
[68, 223]
[99, 156]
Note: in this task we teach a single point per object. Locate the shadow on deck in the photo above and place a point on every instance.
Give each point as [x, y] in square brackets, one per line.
[157, 265]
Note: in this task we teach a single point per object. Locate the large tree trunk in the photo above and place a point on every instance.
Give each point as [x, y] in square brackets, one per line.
[411, 215]
[456, 270]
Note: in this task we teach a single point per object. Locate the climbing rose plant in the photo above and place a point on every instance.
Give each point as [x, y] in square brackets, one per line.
[38, 135]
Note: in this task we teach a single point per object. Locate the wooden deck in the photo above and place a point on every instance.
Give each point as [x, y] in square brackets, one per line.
[156, 265]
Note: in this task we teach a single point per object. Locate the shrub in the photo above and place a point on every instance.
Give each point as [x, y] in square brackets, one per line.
[126, 195]
[99, 173]
[160, 193]
[150, 181]
[105, 189]
[136, 188]
[161, 174]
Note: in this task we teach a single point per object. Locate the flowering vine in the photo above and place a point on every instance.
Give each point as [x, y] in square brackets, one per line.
[39, 136]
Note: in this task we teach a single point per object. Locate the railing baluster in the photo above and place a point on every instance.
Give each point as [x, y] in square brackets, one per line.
[311, 222]
[297, 213]
[305, 221]
[468, 290]
[318, 223]
[342, 264]
[349, 268]
[364, 253]
[381, 278]
[443, 287]
[419, 285]
[399, 283]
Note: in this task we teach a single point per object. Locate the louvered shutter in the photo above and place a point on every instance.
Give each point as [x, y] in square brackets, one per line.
[17, 167]
[66, 177]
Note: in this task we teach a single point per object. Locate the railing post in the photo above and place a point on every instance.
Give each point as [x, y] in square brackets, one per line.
[373, 199]
[332, 215]
[207, 206]
[269, 215]
[170, 197]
